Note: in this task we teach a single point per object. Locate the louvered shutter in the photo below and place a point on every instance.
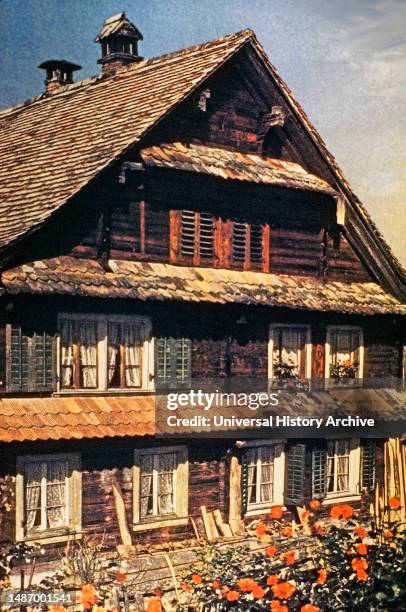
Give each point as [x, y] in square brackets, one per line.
[239, 242]
[295, 475]
[368, 449]
[43, 361]
[31, 360]
[244, 483]
[173, 357]
[18, 359]
[256, 255]
[319, 464]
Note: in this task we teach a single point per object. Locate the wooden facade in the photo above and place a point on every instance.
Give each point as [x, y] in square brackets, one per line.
[135, 212]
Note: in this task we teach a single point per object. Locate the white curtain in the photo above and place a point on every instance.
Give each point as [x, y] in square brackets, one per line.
[132, 336]
[67, 353]
[252, 476]
[33, 475]
[113, 348]
[290, 348]
[88, 353]
[146, 486]
[266, 474]
[166, 472]
[56, 494]
[343, 464]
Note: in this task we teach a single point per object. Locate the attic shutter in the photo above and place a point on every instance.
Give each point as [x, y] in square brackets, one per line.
[368, 449]
[319, 462]
[239, 242]
[173, 361]
[295, 475]
[31, 360]
[256, 244]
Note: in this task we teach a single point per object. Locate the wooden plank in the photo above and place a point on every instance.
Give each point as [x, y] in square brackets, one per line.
[121, 515]
[235, 502]
[213, 528]
[224, 529]
[207, 524]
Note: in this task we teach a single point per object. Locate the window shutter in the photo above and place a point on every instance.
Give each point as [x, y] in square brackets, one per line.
[244, 483]
[173, 359]
[18, 359]
[182, 361]
[368, 460]
[239, 242]
[256, 255]
[319, 461]
[162, 361]
[31, 360]
[43, 359]
[188, 235]
[206, 236]
[295, 475]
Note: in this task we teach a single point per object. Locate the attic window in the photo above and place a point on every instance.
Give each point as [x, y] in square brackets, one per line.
[197, 235]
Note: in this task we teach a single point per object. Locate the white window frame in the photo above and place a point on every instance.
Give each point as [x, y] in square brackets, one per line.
[181, 490]
[354, 473]
[73, 501]
[102, 322]
[279, 468]
[330, 330]
[308, 346]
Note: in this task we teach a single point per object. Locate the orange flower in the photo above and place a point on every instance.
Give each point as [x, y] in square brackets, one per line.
[287, 531]
[344, 511]
[322, 577]
[154, 605]
[57, 608]
[247, 584]
[270, 551]
[186, 587]
[271, 580]
[362, 549]
[388, 534]
[232, 596]
[260, 530]
[216, 585]
[276, 512]
[258, 592]
[309, 608]
[283, 590]
[89, 596]
[315, 504]
[394, 503]
[196, 579]
[359, 564]
[121, 576]
[362, 575]
[347, 363]
[276, 606]
[290, 557]
[361, 533]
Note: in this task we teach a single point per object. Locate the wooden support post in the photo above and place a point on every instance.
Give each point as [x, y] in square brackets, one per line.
[121, 515]
[235, 503]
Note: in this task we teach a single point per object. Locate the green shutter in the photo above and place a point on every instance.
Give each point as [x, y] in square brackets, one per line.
[30, 360]
[368, 450]
[296, 474]
[173, 357]
[319, 464]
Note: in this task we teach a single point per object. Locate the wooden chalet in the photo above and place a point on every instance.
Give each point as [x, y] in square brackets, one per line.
[172, 219]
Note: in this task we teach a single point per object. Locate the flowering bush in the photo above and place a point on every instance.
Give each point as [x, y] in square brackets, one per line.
[342, 372]
[346, 566]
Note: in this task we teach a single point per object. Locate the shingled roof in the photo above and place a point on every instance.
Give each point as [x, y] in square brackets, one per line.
[159, 281]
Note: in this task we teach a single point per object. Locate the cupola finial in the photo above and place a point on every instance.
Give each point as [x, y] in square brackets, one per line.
[119, 43]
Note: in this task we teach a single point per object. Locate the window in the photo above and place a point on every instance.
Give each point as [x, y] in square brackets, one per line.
[160, 487]
[173, 358]
[30, 359]
[344, 353]
[336, 469]
[289, 353]
[48, 496]
[247, 245]
[197, 235]
[263, 476]
[102, 353]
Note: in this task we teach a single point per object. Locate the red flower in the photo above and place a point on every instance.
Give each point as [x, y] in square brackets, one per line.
[89, 596]
[272, 580]
[260, 530]
[362, 575]
[359, 564]
[394, 503]
[276, 606]
[290, 557]
[362, 549]
[287, 531]
[344, 511]
[186, 587]
[246, 585]
[121, 576]
[196, 579]
[276, 512]
[361, 533]
[283, 590]
[388, 534]
[309, 608]
[322, 577]
[258, 592]
[232, 596]
[315, 504]
[154, 605]
[271, 551]
[216, 585]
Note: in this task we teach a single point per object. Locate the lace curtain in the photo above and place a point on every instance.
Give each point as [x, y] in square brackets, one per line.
[252, 476]
[87, 334]
[146, 486]
[53, 476]
[166, 472]
[66, 353]
[56, 492]
[33, 475]
[266, 456]
[157, 494]
[113, 350]
[132, 338]
[338, 466]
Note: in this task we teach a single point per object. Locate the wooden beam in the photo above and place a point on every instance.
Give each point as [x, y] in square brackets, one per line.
[235, 502]
[121, 515]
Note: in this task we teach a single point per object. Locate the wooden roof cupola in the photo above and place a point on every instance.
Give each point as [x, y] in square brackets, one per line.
[119, 43]
[59, 73]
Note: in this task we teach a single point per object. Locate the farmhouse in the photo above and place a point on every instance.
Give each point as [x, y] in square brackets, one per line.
[177, 223]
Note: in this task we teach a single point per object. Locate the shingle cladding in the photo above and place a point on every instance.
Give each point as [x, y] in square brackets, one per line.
[160, 281]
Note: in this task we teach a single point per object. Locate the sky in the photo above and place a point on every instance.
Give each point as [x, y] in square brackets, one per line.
[345, 61]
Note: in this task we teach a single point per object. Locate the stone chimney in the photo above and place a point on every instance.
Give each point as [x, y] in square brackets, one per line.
[59, 73]
[119, 43]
